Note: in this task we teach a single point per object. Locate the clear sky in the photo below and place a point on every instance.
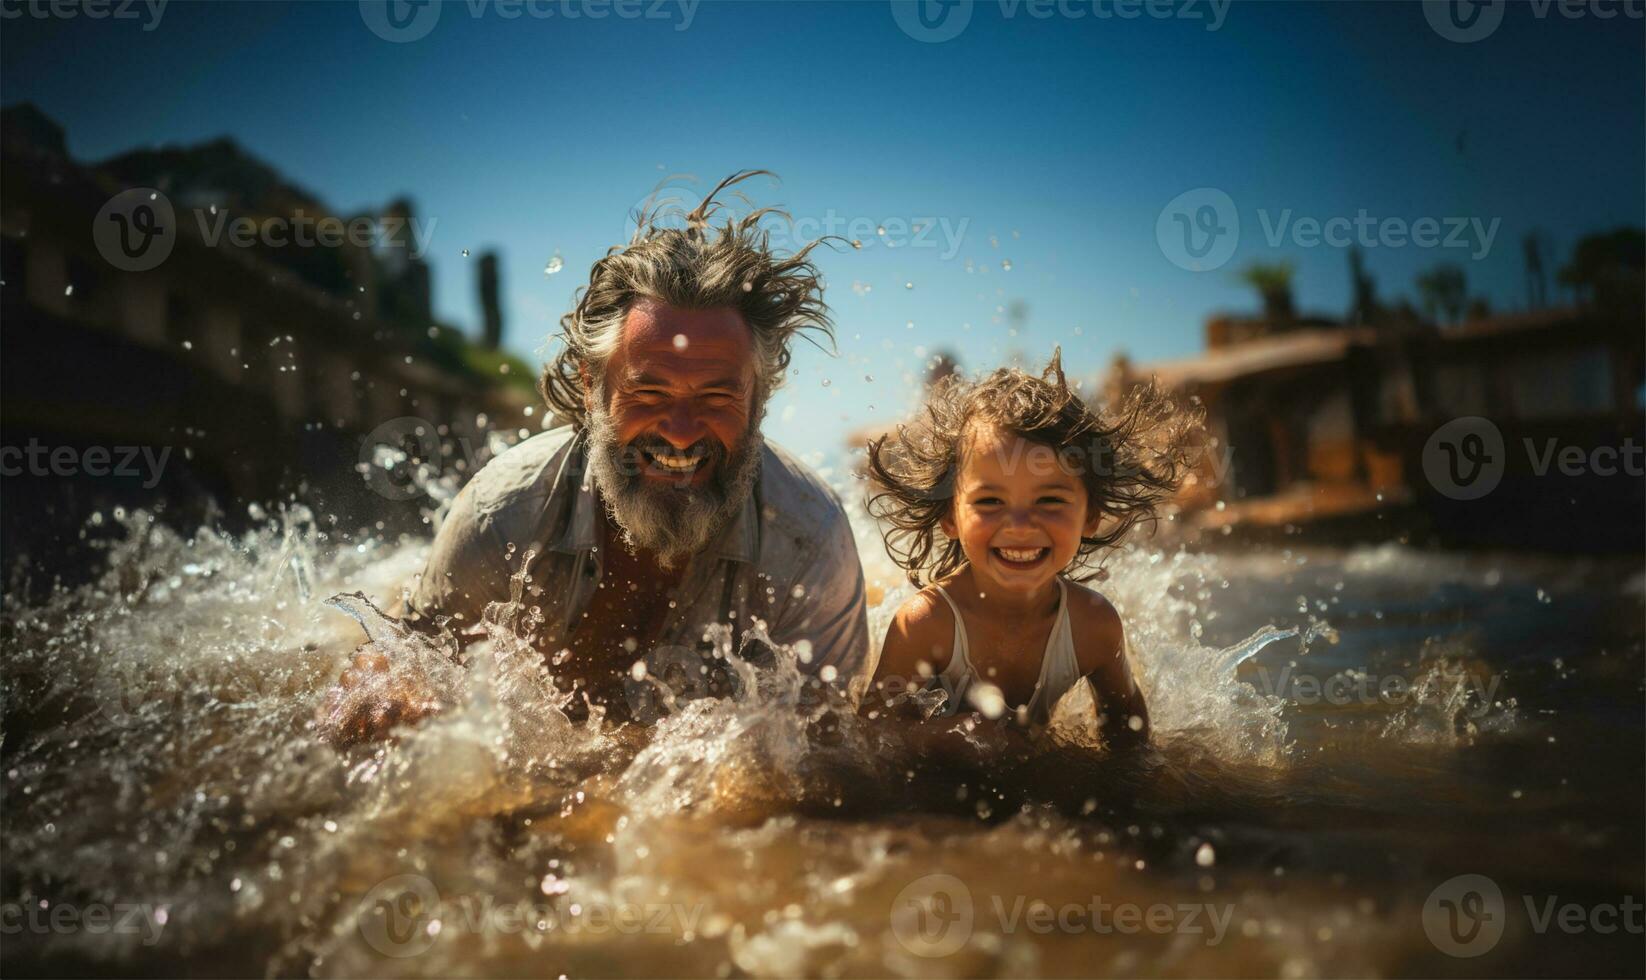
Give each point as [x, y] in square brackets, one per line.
[1040, 151]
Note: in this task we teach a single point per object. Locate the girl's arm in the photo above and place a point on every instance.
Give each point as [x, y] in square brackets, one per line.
[921, 633]
[1122, 714]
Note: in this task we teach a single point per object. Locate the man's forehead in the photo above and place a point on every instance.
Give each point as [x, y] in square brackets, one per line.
[653, 329]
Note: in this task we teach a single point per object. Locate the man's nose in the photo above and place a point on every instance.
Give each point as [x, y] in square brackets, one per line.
[680, 427]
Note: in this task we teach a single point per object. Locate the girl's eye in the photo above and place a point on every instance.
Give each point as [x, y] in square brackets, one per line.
[1052, 501]
[986, 502]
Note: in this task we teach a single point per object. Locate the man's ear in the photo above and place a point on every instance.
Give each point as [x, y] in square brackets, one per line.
[587, 381]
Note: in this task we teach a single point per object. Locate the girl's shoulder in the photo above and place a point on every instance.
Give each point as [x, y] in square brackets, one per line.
[1099, 635]
[922, 629]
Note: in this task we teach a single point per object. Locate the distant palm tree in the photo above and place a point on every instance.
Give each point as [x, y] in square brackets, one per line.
[1607, 268]
[1273, 282]
[1443, 291]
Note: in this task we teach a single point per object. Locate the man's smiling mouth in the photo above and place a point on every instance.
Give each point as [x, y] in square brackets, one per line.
[677, 463]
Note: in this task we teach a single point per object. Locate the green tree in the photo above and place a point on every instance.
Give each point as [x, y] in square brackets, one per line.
[1273, 282]
[1608, 269]
[1443, 291]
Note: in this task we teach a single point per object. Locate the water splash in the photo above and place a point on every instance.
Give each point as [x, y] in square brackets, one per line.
[161, 747]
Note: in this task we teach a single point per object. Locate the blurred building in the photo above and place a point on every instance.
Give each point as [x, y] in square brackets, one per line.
[1324, 424]
[262, 368]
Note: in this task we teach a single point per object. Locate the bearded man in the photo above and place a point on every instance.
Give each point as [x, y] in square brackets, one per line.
[660, 510]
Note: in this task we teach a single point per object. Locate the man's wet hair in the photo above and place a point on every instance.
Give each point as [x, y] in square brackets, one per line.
[696, 266]
[1130, 459]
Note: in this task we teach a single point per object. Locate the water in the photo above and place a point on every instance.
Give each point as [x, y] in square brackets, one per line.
[1338, 733]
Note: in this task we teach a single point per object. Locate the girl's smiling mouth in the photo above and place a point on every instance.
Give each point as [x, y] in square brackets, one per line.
[1020, 558]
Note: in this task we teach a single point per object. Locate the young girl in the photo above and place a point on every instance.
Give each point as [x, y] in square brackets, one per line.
[998, 496]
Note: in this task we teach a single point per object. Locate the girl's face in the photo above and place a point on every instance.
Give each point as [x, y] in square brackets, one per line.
[1018, 513]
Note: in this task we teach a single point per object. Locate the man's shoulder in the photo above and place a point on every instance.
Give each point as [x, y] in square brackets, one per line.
[522, 477]
[794, 499]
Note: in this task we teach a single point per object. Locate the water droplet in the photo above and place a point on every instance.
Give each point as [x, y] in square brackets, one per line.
[1006, 265]
[680, 341]
[1205, 856]
[555, 264]
[465, 253]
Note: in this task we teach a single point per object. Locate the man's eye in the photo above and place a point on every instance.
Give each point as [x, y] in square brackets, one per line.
[718, 398]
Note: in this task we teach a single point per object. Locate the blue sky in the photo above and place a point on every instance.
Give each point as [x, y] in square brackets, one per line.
[1050, 144]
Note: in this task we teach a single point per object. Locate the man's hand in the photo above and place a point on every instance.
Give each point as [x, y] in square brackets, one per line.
[369, 700]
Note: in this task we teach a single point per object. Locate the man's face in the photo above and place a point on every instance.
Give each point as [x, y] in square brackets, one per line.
[680, 389]
[674, 447]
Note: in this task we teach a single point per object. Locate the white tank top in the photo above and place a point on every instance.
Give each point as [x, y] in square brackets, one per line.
[1059, 668]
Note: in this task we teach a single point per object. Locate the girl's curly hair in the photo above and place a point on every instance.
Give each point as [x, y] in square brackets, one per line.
[697, 266]
[1129, 460]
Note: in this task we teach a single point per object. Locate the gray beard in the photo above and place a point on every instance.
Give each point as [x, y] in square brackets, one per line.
[672, 522]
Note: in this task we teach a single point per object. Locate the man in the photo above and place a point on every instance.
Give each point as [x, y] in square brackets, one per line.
[660, 510]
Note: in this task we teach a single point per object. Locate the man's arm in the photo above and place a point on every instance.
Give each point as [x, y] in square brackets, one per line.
[831, 608]
[465, 570]
[462, 575]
